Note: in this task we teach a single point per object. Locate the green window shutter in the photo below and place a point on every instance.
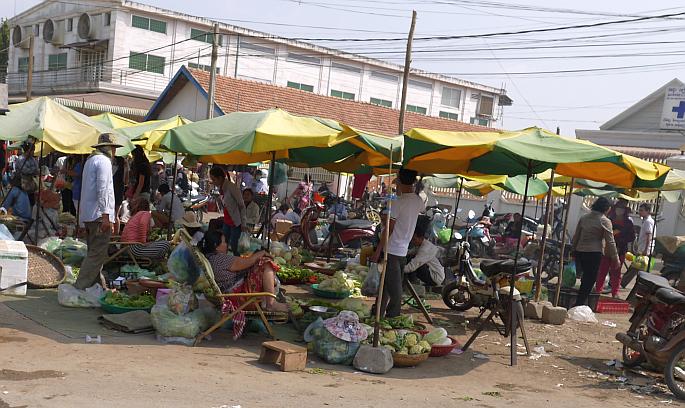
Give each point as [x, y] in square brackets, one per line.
[308, 88]
[137, 61]
[381, 102]
[155, 64]
[57, 62]
[158, 26]
[140, 22]
[293, 85]
[23, 64]
[349, 96]
[199, 35]
[448, 115]
[337, 94]
[417, 109]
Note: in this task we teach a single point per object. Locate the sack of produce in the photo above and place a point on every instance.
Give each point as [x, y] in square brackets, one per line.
[372, 281]
[169, 324]
[72, 251]
[244, 243]
[182, 266]
[50, 244]
[68, 295]
[338, 341]
[182, 299]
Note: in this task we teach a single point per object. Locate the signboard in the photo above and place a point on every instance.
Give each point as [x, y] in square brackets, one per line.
[673, 114]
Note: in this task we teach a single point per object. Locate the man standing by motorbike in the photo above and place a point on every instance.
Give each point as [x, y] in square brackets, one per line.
[644, 240]
[404, 212]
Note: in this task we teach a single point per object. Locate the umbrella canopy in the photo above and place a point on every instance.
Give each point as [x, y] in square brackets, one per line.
[248, 137]
[149, 134]
[482, 185]
[532, 150]
[113, 121]
[630, 195]
[61, 128]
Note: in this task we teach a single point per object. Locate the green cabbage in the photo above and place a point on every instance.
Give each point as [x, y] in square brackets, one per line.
[436, 335]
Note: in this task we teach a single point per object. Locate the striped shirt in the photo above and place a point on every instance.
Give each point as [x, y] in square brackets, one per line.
[137, 228]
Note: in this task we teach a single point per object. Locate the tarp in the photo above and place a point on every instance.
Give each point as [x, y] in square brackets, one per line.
[149, 134]
[532, 150]
[61, 128]
[114, 121]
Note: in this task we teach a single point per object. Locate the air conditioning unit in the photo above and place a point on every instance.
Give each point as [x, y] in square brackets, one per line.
[19, 39]
[86, 27]
[53, 32]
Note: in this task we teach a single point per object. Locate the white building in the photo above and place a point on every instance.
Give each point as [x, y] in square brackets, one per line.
[119, 47]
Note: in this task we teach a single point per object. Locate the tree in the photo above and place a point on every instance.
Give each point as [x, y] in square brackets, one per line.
[4, 49]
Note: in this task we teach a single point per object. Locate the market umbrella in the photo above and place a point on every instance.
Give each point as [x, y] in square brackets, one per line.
[149, 134]
[114, 121]
[60, 128]
[528, 151]
[483, 185]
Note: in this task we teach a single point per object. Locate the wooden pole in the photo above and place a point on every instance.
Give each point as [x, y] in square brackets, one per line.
[405, 76]
[381, 285]
[541, 258]
[563, 242]
[29, 77]
[212, 73]
[456, 209]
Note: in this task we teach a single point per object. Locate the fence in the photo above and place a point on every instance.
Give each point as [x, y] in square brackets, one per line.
[452, 192]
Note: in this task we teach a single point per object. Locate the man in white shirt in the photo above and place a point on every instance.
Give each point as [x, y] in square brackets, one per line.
[403, 216]
[644, 241]
[97, 209]
[424, 265]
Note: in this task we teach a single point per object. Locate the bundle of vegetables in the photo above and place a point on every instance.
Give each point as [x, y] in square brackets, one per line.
[116, 298]
[404, 342]
[294, 274]
[355, 305]
[357, 270]
[398, 322]
[157, 234]
[339, 282]
[72, 251]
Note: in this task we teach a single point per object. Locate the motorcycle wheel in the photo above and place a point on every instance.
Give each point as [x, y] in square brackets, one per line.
[674, 373]
[457, 296]
[373, 216]
[293, 239]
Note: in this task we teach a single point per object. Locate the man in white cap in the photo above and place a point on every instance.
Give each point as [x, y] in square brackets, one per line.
[97, 209]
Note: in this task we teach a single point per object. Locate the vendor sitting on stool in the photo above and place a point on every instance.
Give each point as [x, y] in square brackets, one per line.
[18, 201]
[424, 265]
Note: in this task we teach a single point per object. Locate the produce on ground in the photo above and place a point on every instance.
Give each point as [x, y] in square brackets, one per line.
[120, 299]
[355, 305]
[399, 322]
[294, 273]
[404, 342]
[438, 337]
[339, 282]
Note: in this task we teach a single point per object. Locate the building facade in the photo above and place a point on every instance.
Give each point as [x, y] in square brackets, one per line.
[128, 48]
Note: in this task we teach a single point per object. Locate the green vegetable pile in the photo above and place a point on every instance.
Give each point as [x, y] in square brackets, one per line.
[404, 342]
[294, 273]
[120, 299]
[157, 234]
[399, 322]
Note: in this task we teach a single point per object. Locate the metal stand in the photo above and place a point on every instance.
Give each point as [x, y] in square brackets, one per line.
[419, 303]
[496, 312]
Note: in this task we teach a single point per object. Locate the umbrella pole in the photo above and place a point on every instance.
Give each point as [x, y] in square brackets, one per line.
[568, 190]
[78, 207]
[538, 276]
[656, 216]
[173, 192]
[269, 201]
[381, 285]
[513, 318]
[40, 182]
[456, 208]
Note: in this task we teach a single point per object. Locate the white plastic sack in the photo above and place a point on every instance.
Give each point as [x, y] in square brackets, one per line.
[582, 314]
[244, 243]
[68, 295]
[372, 281]
[5, 233]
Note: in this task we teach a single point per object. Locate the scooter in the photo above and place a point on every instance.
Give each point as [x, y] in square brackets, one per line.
[657, 332]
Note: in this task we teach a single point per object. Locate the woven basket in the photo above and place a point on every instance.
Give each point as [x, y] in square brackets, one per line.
[45, 269]
[409, 360]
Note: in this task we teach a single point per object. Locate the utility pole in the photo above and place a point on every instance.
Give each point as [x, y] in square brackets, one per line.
[29, 78]
[405, 76]
[212, 73]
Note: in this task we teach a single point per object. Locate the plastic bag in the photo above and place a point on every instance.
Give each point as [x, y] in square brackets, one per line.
[72, 251]
[5, 233]
[331, 349]
[51, 244]
[582, 314]
[444, 235]
[182, 266]
[244, 243]
[68, 295]
[372, 281]
[168, 324]
[569, 278]
[182, 300]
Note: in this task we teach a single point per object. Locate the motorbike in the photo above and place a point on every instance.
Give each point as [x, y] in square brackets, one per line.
[466, 290]
[657, 332]
[343, 233]
[489, 210]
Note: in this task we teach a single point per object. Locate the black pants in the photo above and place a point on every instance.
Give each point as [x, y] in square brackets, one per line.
[588, 262]
[68, 202]
[423, 273]
[391, 302]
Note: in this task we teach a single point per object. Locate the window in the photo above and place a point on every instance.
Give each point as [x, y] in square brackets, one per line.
[303, 58]
[204, 36]
[419, 84]
[203, 67]
[343, 95]
[381, 102]
[485, 106]
[23, 64]
[480, 121]
[70, 24]
[108, 19]
[346, 67]
[146, 62]
[149, 24]
[57, 61]
[36, 30]
[384, 76]
[451, 97]
[417, 109]
[255, 47]
[301, 87]
[448, 115]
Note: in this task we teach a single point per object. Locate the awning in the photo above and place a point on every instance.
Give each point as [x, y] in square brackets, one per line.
[92, 44]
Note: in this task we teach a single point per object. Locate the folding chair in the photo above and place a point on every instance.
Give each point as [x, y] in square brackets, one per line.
[119, 252]
[250, 302]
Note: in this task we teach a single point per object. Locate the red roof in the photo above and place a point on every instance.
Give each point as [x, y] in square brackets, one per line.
[249, 96]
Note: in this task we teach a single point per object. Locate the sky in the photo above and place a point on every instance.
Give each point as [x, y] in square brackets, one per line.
[574, 78]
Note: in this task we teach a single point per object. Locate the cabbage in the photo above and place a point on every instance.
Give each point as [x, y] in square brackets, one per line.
[436, 335]
[425, 346]
[444, 342]
[416, 349]
[411, 339]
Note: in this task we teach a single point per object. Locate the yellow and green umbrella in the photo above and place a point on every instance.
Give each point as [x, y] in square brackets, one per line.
[483, 185]
[60, 128]
[149, 134]
[528, 151]
[114, 121]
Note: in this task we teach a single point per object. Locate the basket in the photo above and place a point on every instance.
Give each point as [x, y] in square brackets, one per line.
[45, 270]
[408, 360]
[119, 309]
[441, 351]
[329, 294]
[605, 305]
[567, 299]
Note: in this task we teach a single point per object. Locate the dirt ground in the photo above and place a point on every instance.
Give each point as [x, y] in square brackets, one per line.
[42, 368]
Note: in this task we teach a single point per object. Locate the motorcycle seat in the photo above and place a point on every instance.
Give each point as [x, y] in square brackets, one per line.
[670, 296]
[491, 267]
[347, 224]
[654, 280]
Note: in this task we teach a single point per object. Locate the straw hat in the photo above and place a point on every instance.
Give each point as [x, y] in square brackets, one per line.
[346, 326]
[189, 221]
[107, 139]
